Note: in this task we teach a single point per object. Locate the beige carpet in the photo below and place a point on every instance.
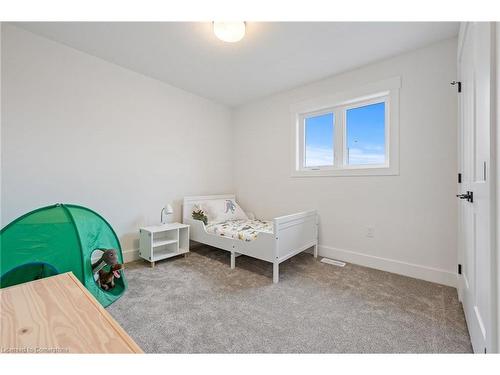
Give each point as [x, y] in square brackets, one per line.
[199, 305]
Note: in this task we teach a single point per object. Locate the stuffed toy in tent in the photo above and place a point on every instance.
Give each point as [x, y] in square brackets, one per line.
[58, 239]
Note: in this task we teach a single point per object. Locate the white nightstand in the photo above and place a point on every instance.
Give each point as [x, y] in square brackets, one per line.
[163, 241]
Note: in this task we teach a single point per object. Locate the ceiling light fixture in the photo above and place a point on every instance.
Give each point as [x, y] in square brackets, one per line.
[229, 31]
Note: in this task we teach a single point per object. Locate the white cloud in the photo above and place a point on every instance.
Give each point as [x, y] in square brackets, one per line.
[316, 156]
[374, 148]
[358, 156]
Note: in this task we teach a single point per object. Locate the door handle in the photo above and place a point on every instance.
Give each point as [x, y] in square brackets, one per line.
[469, 196]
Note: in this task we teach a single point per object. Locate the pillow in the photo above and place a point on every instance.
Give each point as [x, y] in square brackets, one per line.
[218, 210]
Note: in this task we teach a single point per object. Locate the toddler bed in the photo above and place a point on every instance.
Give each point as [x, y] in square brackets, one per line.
[229, 228]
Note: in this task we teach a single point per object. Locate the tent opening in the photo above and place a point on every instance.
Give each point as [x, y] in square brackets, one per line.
[119, 285]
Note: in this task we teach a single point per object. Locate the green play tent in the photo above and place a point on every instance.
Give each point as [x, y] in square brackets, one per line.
[58, 239]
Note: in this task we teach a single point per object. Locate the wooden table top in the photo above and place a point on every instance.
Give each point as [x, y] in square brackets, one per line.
[58, 315]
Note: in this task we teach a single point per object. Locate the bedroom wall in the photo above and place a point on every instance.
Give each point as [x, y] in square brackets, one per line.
[497, 150]
[414, 214]
[77, 129]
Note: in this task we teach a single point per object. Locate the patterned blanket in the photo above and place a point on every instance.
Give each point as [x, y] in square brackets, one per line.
[245, 230]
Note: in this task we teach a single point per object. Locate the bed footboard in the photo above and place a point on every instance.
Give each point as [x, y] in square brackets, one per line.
[294, 234]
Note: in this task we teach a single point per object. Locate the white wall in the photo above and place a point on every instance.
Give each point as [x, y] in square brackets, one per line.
[497, 196]
[414, 214]
[77, 129]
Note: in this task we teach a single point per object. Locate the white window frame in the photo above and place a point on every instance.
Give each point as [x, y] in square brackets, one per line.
[386, 91]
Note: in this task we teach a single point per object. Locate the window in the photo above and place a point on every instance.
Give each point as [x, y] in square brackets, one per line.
[347, 135]
[365, 135]
[319, 140]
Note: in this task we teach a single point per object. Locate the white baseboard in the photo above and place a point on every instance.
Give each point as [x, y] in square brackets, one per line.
[416, 271]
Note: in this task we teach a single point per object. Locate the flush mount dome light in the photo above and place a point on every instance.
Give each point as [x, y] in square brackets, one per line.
[229, 31]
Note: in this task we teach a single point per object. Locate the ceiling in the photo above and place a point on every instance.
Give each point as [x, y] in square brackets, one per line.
[273, 56]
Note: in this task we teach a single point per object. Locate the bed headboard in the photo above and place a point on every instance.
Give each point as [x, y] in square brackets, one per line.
[187, 205]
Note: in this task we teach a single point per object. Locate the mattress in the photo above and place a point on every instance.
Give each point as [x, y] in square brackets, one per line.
[244, 230]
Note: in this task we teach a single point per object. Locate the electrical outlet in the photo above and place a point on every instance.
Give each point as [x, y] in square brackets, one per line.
[370, 232]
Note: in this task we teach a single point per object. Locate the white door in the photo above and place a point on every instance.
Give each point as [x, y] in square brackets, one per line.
[476, 283]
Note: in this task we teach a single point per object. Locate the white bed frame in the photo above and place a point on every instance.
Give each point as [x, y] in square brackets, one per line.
[291, 235]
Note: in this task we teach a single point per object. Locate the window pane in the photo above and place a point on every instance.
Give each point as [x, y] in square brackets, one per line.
[319, 140]
[365, 131]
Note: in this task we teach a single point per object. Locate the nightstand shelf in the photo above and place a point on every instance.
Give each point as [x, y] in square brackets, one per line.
[163, 241]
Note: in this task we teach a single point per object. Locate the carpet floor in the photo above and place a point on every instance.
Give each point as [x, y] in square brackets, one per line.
[197, 304]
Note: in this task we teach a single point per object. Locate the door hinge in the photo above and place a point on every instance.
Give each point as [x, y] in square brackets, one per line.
[469, 196]
[459, 85]
[460, 178]
[459, 269]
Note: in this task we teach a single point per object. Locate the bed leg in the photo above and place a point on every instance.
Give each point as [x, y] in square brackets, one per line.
[233, 259]
[276, 272]
[315, 252]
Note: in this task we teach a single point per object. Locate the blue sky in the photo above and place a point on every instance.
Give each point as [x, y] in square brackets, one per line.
[319, 140]
[365, 136]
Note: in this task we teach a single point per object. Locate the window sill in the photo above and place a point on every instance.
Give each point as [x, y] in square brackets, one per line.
[353, 171]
